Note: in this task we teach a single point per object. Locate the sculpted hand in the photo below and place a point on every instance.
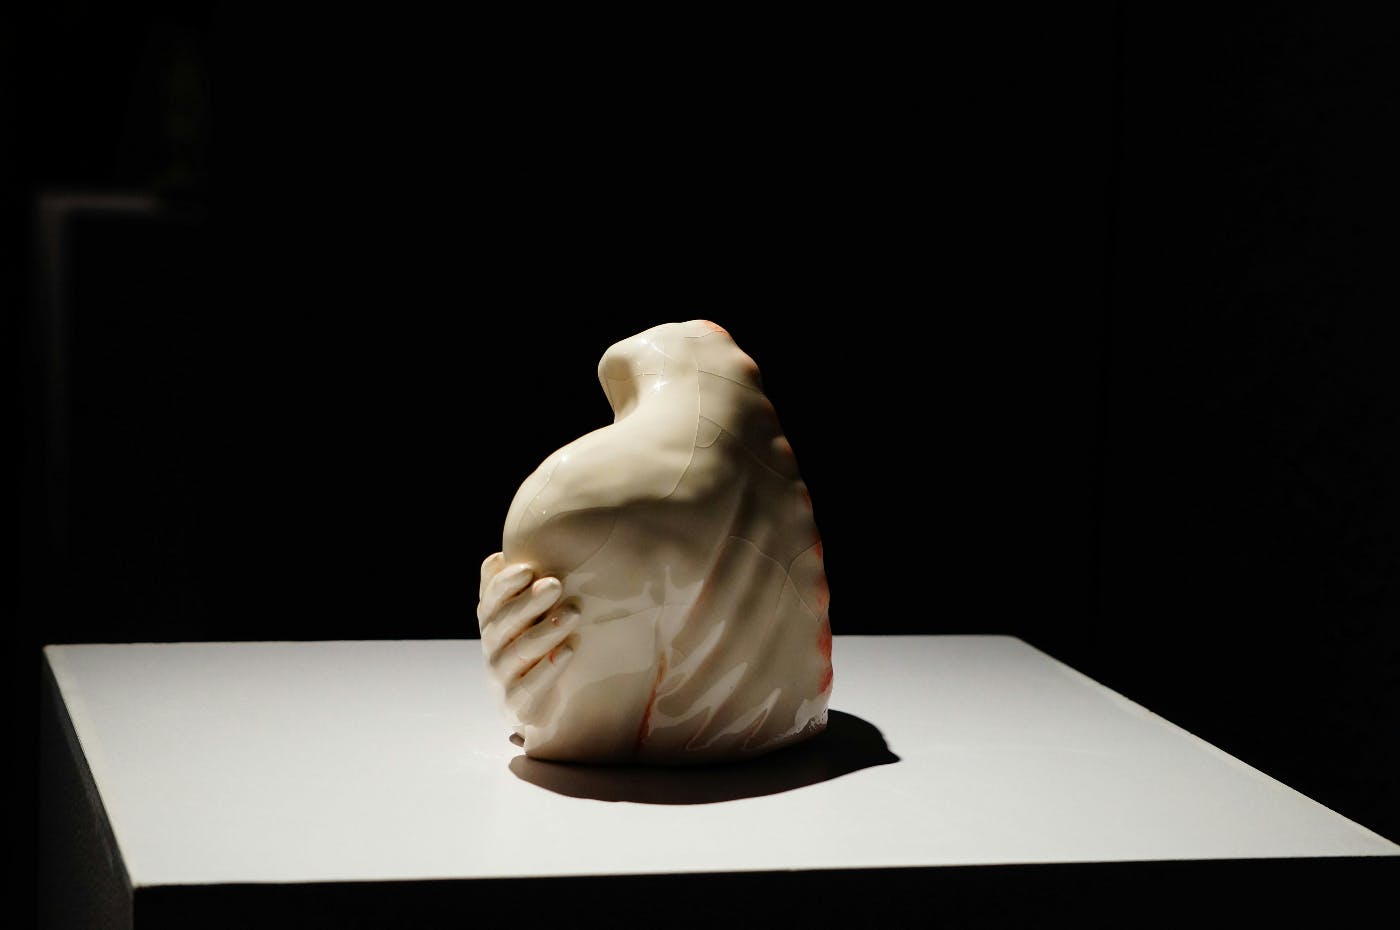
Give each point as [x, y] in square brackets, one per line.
[523, 632]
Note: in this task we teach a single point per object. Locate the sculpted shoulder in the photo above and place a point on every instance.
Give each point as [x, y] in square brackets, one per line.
[691, 423]
[566, 509]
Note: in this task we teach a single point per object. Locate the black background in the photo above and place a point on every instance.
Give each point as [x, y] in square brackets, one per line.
[1080, 323]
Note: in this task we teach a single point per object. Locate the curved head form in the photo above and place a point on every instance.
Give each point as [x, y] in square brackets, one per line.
[664, 355]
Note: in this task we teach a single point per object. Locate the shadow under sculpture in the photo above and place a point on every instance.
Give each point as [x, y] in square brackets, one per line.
[660, 596]
[848, 745]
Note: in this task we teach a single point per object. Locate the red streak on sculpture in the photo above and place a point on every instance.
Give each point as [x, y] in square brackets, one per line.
[823, 597]
[651, 701]
[824, 645]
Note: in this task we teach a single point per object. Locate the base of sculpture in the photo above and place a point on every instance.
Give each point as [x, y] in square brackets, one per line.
[342, 784]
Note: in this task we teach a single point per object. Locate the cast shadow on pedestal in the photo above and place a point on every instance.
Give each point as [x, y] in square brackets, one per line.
[848, 744]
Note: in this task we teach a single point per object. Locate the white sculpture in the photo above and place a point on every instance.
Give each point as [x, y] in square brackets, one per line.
[660, 595]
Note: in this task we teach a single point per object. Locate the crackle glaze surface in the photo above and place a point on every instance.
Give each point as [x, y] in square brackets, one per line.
[660, 595]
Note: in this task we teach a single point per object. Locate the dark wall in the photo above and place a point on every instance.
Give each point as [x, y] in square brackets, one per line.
[1079, 326]
[303, 396]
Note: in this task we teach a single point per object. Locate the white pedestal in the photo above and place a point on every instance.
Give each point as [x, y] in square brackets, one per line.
[225, 771]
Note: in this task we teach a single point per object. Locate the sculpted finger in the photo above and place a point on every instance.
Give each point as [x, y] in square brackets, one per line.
[520, 612]
[506, 584]
[523, 692]
[490, 569]
[536, 642]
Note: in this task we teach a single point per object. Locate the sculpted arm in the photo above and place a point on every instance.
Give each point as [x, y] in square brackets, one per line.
[523, 629]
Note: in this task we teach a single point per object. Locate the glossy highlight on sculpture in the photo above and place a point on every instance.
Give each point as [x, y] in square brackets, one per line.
[660, 595]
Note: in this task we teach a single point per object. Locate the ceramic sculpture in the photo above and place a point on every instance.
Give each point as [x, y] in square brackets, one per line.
[660, 596]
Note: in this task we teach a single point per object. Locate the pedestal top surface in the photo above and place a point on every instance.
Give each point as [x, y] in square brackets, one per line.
[375, 761]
